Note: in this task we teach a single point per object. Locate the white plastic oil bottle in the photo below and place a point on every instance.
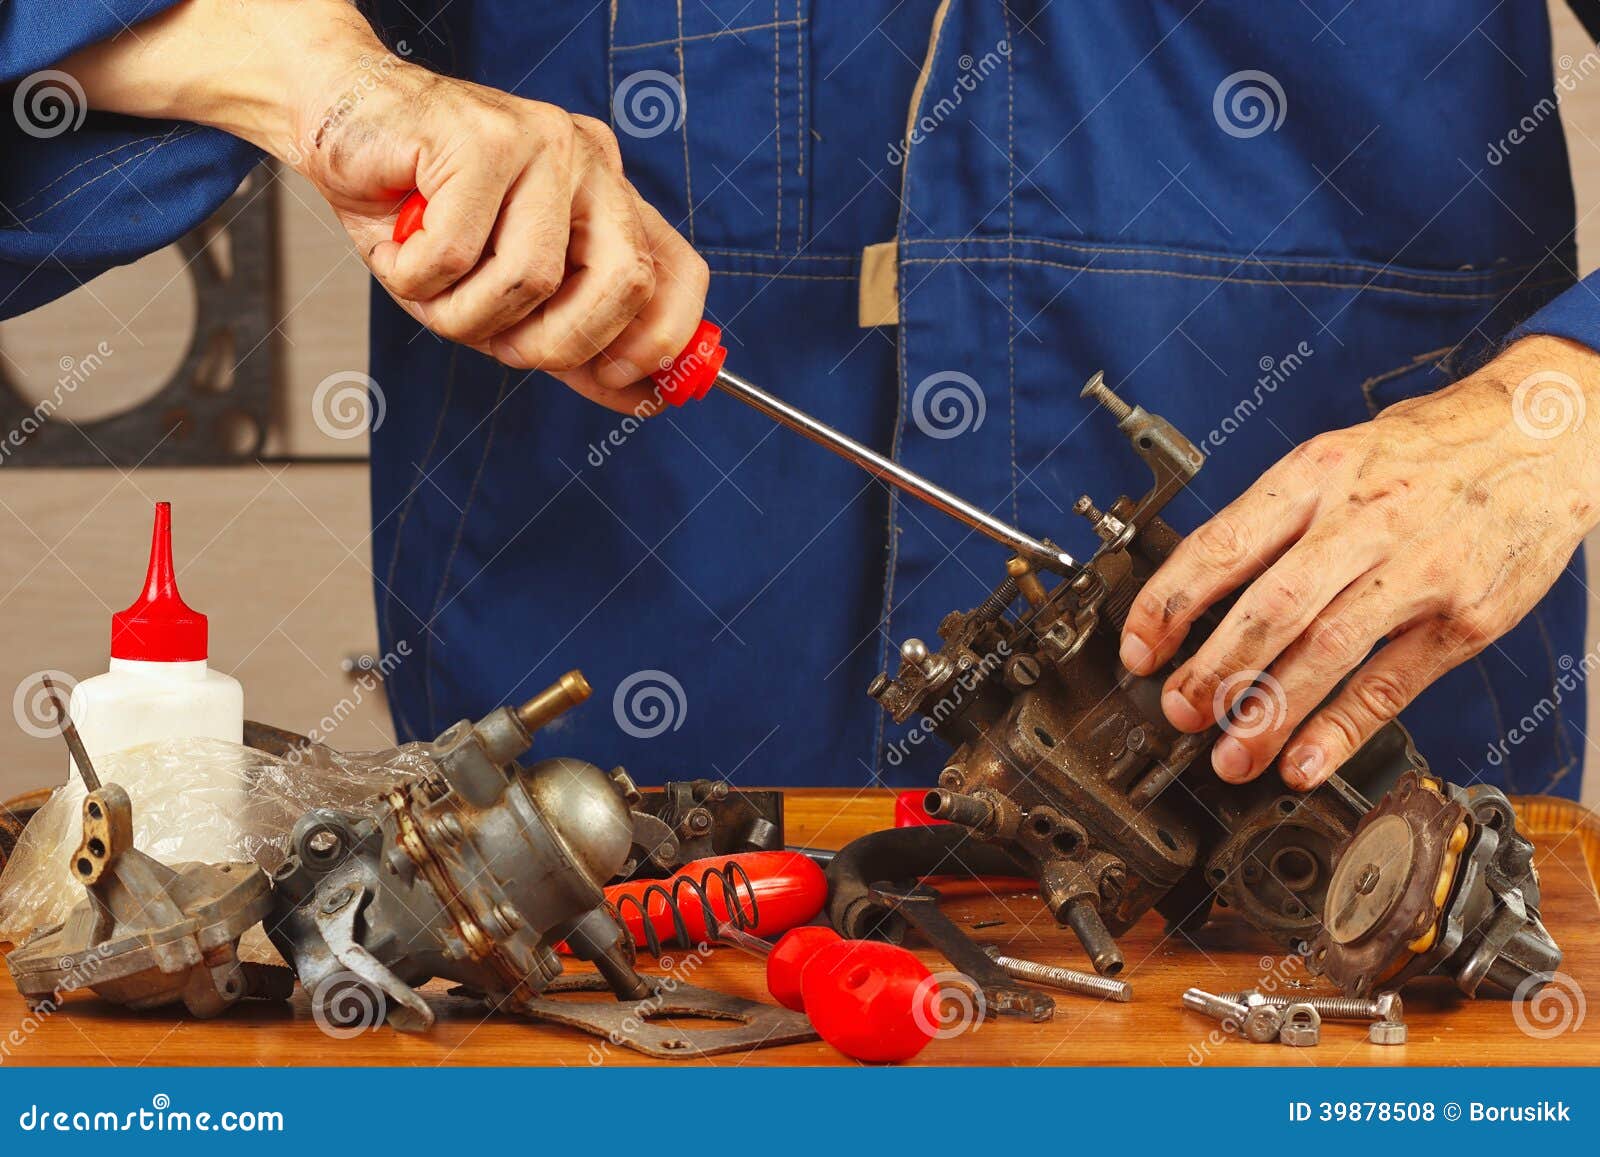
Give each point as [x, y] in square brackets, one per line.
[159, 685]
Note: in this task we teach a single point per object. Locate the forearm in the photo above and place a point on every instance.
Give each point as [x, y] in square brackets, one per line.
[253, 68]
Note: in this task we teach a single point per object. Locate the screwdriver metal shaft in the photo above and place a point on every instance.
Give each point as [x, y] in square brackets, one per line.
[892, 472]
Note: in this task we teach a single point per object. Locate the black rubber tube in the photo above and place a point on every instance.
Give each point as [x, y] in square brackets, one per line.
[899, 856]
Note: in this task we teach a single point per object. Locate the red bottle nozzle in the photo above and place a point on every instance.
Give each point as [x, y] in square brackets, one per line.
[691, 374]
[159, 626]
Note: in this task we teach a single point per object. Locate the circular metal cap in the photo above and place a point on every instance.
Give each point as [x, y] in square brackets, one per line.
[1370, 879]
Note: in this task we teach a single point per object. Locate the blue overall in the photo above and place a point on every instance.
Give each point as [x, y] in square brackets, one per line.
[1260, 228]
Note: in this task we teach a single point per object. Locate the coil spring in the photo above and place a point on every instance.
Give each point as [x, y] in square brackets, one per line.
[731, 880]
[995, 605]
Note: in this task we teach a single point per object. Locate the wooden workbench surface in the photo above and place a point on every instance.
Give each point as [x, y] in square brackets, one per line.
[1445, 1029]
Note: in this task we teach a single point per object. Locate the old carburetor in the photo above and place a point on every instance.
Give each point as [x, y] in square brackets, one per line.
[1065, 759]
[475, 873]
[1436, 881]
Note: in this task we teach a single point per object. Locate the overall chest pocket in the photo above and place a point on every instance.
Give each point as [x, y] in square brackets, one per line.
[709, 103]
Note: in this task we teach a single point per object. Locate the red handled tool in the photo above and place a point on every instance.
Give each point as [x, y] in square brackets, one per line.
[871, 1001]
[699, 367]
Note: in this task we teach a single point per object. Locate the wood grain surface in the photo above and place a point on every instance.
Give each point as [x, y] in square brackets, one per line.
[1445, 1028]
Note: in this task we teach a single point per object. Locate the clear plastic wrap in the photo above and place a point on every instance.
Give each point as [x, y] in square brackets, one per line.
[181, 789]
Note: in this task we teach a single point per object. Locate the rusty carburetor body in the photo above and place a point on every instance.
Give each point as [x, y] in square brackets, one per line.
[475, 872]
[1064, 758]
[1436, 881]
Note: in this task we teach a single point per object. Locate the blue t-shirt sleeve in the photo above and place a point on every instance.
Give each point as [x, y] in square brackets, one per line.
[1574, 315]
[83, 191]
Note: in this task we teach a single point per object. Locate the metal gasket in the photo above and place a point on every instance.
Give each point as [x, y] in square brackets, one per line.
[628, 1022]
[189, 421]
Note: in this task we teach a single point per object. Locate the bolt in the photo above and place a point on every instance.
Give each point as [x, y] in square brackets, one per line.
[1385, 1006]
[914, 651]
[1387, 1032]
[1097, 389]
[1258, 1023]
[1065, 979]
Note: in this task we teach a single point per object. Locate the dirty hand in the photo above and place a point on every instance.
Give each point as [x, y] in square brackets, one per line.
[1437, 525]
[535, 248]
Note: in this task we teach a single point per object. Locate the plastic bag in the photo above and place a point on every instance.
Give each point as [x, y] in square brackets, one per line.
[191, 794]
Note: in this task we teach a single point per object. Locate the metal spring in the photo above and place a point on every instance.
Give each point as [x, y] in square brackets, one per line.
[737, 893]
[995, 605]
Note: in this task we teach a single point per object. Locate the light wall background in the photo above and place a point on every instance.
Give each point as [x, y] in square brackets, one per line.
[278, 555]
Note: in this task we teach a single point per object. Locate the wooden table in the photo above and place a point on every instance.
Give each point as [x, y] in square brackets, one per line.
[1445, 1029]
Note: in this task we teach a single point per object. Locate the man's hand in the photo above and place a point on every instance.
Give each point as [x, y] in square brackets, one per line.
[1438, 525]
[535, 249]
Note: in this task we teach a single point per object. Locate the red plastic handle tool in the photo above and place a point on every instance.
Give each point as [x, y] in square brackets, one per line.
[690, 375]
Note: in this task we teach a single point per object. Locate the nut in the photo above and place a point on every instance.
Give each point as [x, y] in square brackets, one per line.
[1387, 1032]
[1302, 1026]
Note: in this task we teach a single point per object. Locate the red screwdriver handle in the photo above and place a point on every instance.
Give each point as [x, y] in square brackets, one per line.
[690, 375]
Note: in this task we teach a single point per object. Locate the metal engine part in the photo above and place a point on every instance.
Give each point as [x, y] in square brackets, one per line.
[474, 873]
[1436, 880]
[1064, 759]
[708, 819]
[146, 935]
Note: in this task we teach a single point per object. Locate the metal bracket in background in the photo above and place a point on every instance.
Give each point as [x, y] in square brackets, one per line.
[1002, 994]
[216, 407]
[751, 1025]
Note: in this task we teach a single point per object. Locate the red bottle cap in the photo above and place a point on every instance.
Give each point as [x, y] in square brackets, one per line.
[160, 627]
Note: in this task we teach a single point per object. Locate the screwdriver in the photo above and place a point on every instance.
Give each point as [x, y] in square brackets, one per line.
[699, 367]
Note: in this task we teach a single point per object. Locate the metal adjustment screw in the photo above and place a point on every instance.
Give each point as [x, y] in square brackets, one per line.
[1065, 979]
[1387, 1032]
[1302, 1026]
[1097, 389]
[1259, 1023]
[1385, 1006]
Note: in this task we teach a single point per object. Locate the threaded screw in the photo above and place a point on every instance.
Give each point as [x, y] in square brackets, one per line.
[1097, 389]
[1384, 1006]
[1260, 1023]
[1065, 979]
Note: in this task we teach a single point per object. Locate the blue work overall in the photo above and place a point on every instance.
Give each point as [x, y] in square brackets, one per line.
[927, 224]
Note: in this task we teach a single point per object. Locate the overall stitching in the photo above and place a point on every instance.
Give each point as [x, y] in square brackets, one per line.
[455, 546]
[777, 119]
[62, 176]
[683, 87]
[1420, 361]
[1011, 252]
[801, 109]
[681, 39]
[70, 193]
